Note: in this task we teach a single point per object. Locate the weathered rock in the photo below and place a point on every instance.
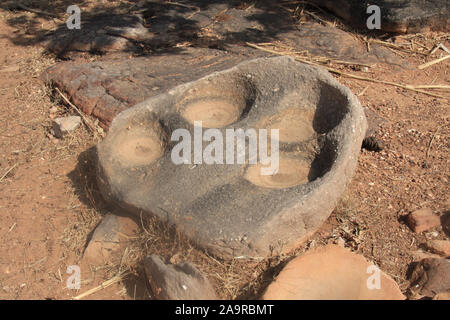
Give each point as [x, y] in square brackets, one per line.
[441, 247]
[422, 220]
[430, 277]
[108, 238]
[62, 126]
[233, 210]
[420, 255]
[104, 89]
[182, 281]
[331, 272]
[396, 15]
[162, 27]
[101, 33]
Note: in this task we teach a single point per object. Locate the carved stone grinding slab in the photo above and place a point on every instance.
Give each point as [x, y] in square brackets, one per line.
[233, 210]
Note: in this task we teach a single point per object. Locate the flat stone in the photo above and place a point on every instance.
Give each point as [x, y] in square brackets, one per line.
[182, 281]
[104, 89]
[233, 210]
[430, 277]
[396, 15]
[164, 28]
[441, 247]
[116, 82]
[62, 126]
[108, 238]
[422, 220]
[330, 272]
[420, 255]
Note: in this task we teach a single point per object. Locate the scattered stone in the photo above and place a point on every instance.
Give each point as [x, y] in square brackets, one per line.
[234, 210]
[420, 255]
[53, 109]
[331, 272]
[422, 220]
[372, 144]
[340, 242]
[441, 247]
[430, 277]
[62, 126]
[108, 238]
[182, 281]
[398, 16]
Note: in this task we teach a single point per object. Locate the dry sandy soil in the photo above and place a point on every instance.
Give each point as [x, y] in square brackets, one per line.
[49, 203]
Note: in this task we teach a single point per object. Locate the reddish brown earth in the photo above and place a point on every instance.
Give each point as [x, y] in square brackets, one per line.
[49, 204]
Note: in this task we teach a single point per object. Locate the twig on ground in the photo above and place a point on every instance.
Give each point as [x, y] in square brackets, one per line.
[432, 139]
[437, 47]
[430, 63]
[85, 119]
[398, 85]
[8, 171]
[102, 286]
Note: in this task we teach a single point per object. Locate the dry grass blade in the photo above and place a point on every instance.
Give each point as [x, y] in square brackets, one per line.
[429, 64]
[396, 47]
[85, 119]
[8, 171]
[102, 286]
[349, 75]
[432, 86]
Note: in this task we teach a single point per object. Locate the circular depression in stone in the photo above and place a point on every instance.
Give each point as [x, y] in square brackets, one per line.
[291, 172]
[217, 102]
[139, 144]
[213, 112]
[294, 124]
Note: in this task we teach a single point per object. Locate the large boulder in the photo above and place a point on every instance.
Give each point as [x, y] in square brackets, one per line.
[398, 16]
[182, 281]
[332, 273]
[235, 209]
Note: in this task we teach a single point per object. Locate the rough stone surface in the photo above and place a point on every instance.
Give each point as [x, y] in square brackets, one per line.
[62, 126]
[104, 89]
[396, 15]
[330, 272]
[422, 220]
[420, 255]
[109, 237]
[182, 281]
[441, 247]
[163, 28]
[430, 277]
[178, 36]
[231, 209]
